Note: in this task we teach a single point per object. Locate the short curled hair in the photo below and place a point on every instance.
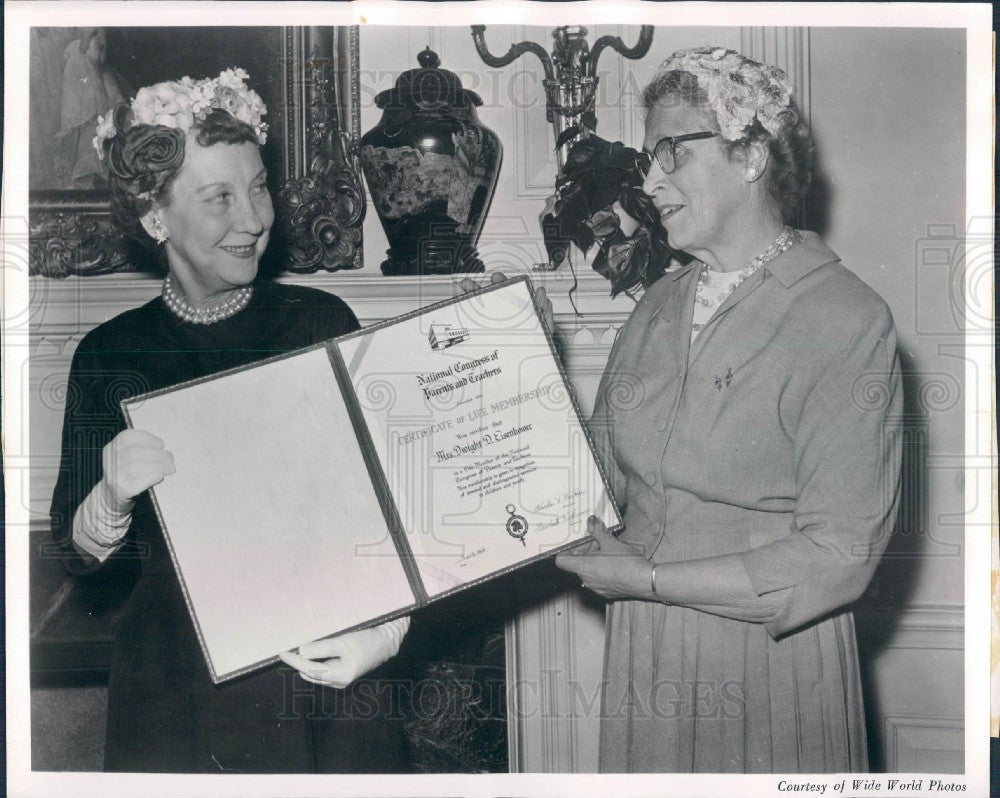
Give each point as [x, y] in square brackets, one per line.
[790, 148]
[143, 161]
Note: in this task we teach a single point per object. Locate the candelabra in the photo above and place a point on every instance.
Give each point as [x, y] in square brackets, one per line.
[570, 73]
[570, 84]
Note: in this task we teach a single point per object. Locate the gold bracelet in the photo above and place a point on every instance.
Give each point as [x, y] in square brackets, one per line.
[652, 578]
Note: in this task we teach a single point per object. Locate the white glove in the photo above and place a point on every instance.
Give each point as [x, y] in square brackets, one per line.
[134, 461]
[100, 523]
[338, 661]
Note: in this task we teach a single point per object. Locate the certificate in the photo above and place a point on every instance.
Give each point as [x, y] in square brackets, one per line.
[352, 482]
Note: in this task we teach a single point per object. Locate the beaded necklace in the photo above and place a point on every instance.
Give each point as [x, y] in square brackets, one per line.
[181, 308]
[786, 240]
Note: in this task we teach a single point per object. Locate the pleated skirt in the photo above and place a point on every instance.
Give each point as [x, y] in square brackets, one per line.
[686, 691]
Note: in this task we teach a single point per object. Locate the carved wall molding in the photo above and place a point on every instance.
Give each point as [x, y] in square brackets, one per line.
[533, 145]
[787, 48]
[55, 344]
[323, 215]
[930, 627]
[323, 204]
[74, 236]
[555, 648]
[917, 744]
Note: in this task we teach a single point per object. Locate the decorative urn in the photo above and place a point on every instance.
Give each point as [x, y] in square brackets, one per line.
[432, 168]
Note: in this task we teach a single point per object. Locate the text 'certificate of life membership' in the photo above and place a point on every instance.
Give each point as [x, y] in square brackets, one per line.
[354, 481]
[477, 435]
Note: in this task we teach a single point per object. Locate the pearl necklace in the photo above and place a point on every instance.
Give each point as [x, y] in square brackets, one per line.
[181, 308]
[788, 238]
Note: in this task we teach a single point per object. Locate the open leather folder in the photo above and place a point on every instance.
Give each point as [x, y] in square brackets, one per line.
[351, 482]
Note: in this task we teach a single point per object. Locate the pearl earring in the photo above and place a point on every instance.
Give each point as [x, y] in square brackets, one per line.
[753, 174]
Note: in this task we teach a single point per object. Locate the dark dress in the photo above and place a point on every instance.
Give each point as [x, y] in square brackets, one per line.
[164, 713]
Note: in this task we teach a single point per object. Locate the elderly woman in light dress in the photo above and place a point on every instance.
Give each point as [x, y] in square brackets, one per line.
[759, 477]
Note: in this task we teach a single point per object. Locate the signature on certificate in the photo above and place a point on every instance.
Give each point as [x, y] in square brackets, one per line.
[463, 560]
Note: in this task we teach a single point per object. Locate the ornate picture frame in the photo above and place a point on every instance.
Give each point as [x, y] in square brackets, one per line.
[308, 76]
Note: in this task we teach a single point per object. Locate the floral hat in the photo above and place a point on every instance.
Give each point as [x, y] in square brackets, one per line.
[739, 89]
[178, 104]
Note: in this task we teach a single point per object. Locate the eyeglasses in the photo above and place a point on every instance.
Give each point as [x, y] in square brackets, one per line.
[665, 152]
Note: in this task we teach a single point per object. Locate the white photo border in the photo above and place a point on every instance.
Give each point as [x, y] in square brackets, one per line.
[21, 15]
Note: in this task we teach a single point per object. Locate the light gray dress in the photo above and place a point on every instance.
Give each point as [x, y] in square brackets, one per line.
[777, 437]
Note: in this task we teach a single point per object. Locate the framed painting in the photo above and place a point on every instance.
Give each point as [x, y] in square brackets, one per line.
[307, 77]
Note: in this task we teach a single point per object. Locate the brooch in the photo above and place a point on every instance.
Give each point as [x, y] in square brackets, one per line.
[723, 382]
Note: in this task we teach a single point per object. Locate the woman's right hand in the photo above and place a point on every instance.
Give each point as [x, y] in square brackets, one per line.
[610, 567]
[133, 462]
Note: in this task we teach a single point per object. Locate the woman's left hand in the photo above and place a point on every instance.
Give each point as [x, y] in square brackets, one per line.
[609, 566]
[338, 661]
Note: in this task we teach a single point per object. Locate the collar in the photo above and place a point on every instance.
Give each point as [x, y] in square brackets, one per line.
[680, 271]
[787, 267]
[796, 262]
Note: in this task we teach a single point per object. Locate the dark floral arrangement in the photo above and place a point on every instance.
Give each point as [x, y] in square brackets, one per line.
[597, 174]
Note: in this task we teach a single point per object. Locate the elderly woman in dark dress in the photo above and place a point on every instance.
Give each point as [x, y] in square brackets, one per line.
[759, 471]
[187, 180]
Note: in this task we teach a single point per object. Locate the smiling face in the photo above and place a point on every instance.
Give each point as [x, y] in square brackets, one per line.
[706, 189]
[217, 219]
